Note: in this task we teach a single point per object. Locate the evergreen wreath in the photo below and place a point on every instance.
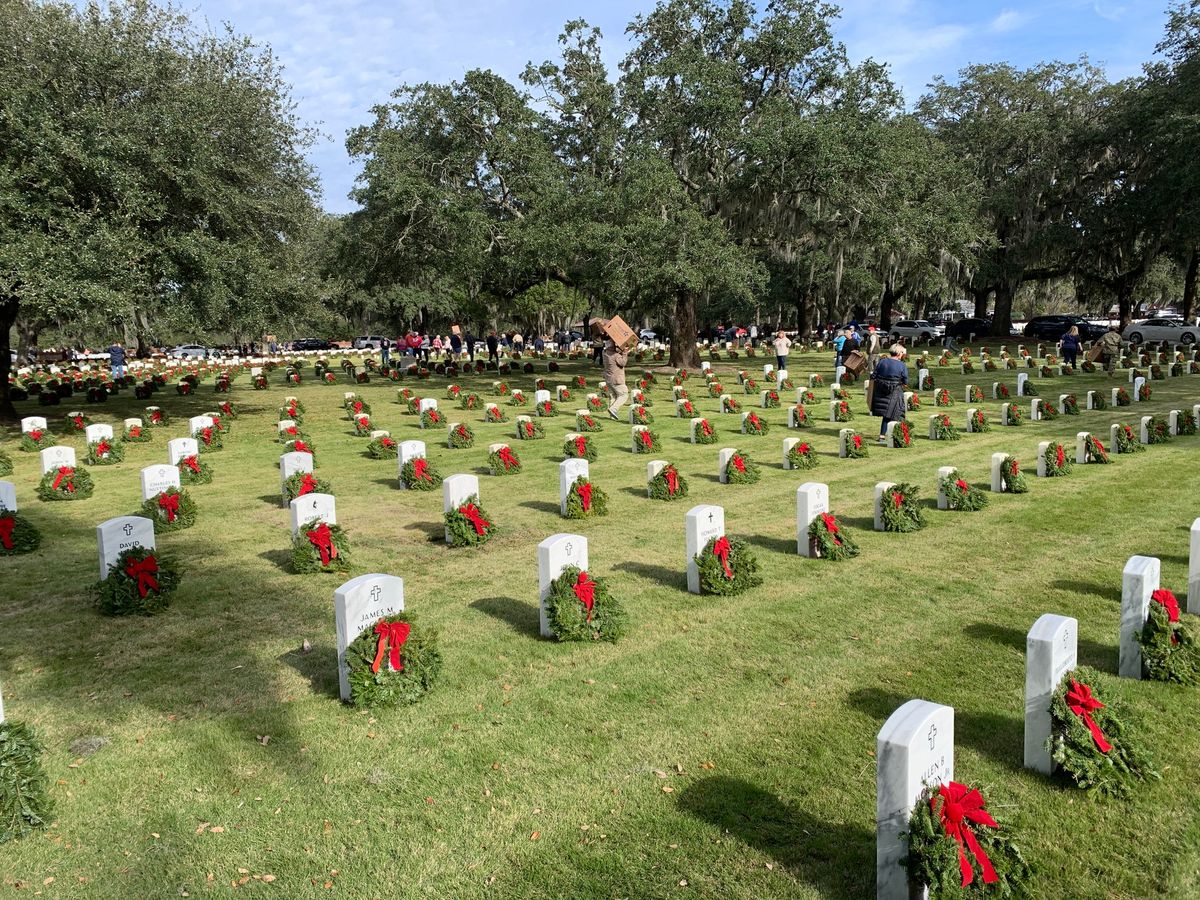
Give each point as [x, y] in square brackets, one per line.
[786, 384]
[208, 440]
[1123, 397]
[749, 386]
[412, 405]
[741, 469]
[585, 500]
[957, 850]
[668, 484]
[899, 510]
[927, 383]
[641, 415]
[36, 441]
[78, 422]
[291, 433]
[968, 367]
[1144, 391]
[715, 389]
[1186, 422]
[294, 413]
[157, 417]
[564, 395]
[170, 510]
[799, 417]
[911, 403]
[842, 412]
[517, 398]
[815, 380]
[453, 392]
[961, 495]
[470, 401]
[6, 463]
[944, 430]
[137, 434]
[320, 547]
[727, 567]
[1030, 390]
[856, 447]
[729, 405]
[392, 663]
[901, 435]
[1070, 405]
[1047, 410]
[228, 409]
[1012, 476]
[828, 539]
[105, 452]
[1088, 366]
[1094, 451]
[1090, 743]
[461, 437]
[587, 423]
[65, 483]
[579, 608]
[362, 425]
[504, 462]
[1158, 431]
[1012, 414]
[259, 383]
[25, 802]
[755, 426]
[1127, 441]
[1169, 651]
[194, 470]
[705, 433]
[580, 447]
[771, 400]
[642, 399]
[431, 418]
[302, 483]
[140, 581]
[646, 441]
[530, 430]
[943, 398]
[976, 394]
[547, 409]
[418, 474]
[595, 404]
[1057, 461]
[1001, 392]
[495, 414]
[17, 534]
[468, 524]
[802, 456]
[356, 406]
[685, 409]
[383, 447]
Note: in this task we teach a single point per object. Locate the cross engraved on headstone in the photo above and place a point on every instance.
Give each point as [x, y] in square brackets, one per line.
[569, 549]
[932, 735]
[710, 518]
[375, 592]
[128, 529]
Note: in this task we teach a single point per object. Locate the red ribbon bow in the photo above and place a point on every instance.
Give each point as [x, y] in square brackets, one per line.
[308, 484]
[421, 469]
[960, 806]
[471, 512]
[528, 428]
[585, 495]
[301, 447]
[858, 442]
[291, 429]
[36, 434]
[394, 635]
[586, 592]
[144, 571]
[580, 445]
[803, 449]
[830, 523]
[1014, 468]
[387, 442]
[103, 447]
[433, 416]
[1081, 702]
[135, 431]
[721, 551]
[897, 499]
[358, 406]
[169, 503]
[1167, 600]
[739, 463]
[706, 427]
[1060, 456]
[672, 477]
[322, 539]
[6, 529]
[753, 420]
[962, 485]
[644, 437]
[206, 434]
[192, 463]
[156, 416]
[68, 473]
[78, 420]
[506, 457]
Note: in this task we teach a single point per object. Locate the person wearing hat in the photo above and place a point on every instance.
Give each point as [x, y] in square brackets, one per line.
[614, 374]
[889, 381]
[874, 346]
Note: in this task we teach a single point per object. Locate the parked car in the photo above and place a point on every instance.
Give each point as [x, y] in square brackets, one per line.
[648, 335]
[1176, 331]
[1051, 328]
[916, 329]
[368, 342]
[964, 328]
[310, 344]
[188, 351]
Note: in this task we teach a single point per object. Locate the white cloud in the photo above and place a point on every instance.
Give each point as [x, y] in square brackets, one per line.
[1009, 20]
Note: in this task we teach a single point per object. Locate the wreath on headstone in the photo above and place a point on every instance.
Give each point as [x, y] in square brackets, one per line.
[856, 446]
[1012, 415]
[6, 463]
[640, 415]
[356, 406]
[911, 403]
[362, 425]
[517, 398]
[461, 437]
[640, 398]
[1186, 423]
[228, 409]
[293, 413]
[727, 567]
[705, 433]
[741, 469]
[25, 802]
[78, 422]
[802, 456]
[382, 447]
[668, 484]
[1030, 389]
[1144, 392]
[431, 418]
[585, 500]
[587, 423]
[320, 547]
[842, 411]
[715, 389]
[137, 434]
[302, 483]
[546, 409]
[209, 440]
[956, 848]
[1127, 440]
[392, 663]
[749, 385]
[530, 430]
[1070, 405]
[1047, 410]
[1056, 460]
[729, 405]
[942, 398]
[194, 470]
[495, 414]
[754, 425]
[171, 510]
[771, 400]
[828, 539]
[646, 441]
[961, 495]
[468, 524]
[1169, 651]
[17, 534]
[1000, 390]
[1123, 397]
[899, 509]
[412, 403]
[469, 401]
[157, 417]
[1094, 451]
[504, 461]
[944, 430]
[1089, 741]
[1012, 476]
[419, 474]
[66, 483]
[901, 435]
[1158, 431]
[580, 447]
[36, 440]
[105, 452]
[580, 608]
[139, 581]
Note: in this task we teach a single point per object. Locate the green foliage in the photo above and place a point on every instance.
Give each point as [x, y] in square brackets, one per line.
[420, 476]
[1012, 476]
[6, 463]
[581, 447]
[944, 430]
[755, 425]
[25, 802]
[462, 531]
[571, 620]
[36, 441]
[209, 440]
[1127, 440]
[499, 466]
[646, 441]
[829, 539]
[705, 435]
[597, 502]
[306, 555]
[420, 657]
[23, 535]
[201, 474]
[105, 452]
[185, 512]
[741, 469]
[297, 483]
[659, 487]
[530, 430]
[900, 510]
[1169, 650]
[121, 594]
[1158, 431]
[1056, 460]
[461, 437]
[383, 447]
[743, 568]
[962, 495]
[802, 456]
[73, 484]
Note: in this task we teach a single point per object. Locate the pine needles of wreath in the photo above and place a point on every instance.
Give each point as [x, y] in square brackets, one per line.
[961, 495]
[569, 617]
[743, 569]
[1169, 651]
[418, 474]
[420, 657]
[73, 483]
[461, 524]
[124, 592]
[659, 487]
[829, 539]
[307, 555]
[170, 510]
[201, 474]
[585, 500]
[899, 509]
[17, 534]
[24, 788]
[1014, 478]
[741, 469]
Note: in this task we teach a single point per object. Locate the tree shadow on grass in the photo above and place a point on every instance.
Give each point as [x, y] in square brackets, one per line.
[1099, 656]
[834, 858]
[1001, 738]
[773, 545]
[541, 506]
[1089, 589]
[281, 559]
[387, 482]
[520, 617]
[271, 500]
[665, 577]
[319, 666]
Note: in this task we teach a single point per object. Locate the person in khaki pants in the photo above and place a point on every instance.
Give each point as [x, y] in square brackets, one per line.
[615, 360]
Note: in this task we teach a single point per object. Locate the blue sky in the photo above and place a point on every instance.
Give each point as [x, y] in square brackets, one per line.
[344, 56]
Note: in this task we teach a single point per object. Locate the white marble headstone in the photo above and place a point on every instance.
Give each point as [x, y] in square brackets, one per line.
[1138, 581]
[322, 507]
[555, 553]
[1145, 429]
[198, 423]
[998, 473]
[456, 489]
[119, 534]
[33, 423]
[652, 469]
[8, 496]
[131, 423]
[701, 524]
[943, 472]
[880, 488]
[540, 397]
[1193, 598]
[180, 449]
[694, 426]
[1051, 651]
[724, 455]
[158, 478]
[357, 605]
[55, 457]
[95, 433]
[568, 471]
[427, 403]
[812, 499]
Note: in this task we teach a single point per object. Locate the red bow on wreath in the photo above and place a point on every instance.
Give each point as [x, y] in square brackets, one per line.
[322, 539]
[585, 495]
[897, 499]
[1060, 456]
[103, 448]
[192, 463]
[962, 485]
[394, 635]
[580, 446]
[858, 442]
[308, 484]
[960, 806]
[421, 469]
[706, 427]
[135, 431]
[68, 473]
[721, 550]
[358, 406]
[6, 529]
[36, 434]
[169, 503]
[1168, 602]
[646, 439]
[586, 592]
[387, 442]
[206, 435]
[528, 429]
[143, 570]
[291, 429]
[739, 463]
[506, 457]
[672, 478]
[471, 513]
[1081, 702]
[301, 447]
[156, 416]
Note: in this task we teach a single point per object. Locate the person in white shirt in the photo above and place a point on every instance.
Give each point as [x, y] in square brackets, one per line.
[782, 347]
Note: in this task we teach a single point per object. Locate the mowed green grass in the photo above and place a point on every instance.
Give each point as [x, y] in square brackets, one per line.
[723, 749]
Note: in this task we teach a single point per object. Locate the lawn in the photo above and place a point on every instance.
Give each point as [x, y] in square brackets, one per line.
[724, 748]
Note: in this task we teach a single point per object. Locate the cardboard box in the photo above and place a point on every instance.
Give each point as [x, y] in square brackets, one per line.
[855, 362]
[620, 333]
[454, 329]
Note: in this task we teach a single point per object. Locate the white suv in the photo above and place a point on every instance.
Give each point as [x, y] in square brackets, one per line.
[917, 329]
[1162, 328]
[368, 341]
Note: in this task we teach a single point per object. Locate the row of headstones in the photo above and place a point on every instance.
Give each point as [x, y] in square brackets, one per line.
[101, 431]
[915, 747]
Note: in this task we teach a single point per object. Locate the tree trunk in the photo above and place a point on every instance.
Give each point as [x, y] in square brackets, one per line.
[8, 317]
[803, 304]
[1002, 320]
[981, 301]
[27, 339]
[1125, 301]
[684, 352]
[1189, 286]
[885, 306]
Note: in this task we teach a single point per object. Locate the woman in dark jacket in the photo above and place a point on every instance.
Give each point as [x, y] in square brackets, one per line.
[889, 381]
